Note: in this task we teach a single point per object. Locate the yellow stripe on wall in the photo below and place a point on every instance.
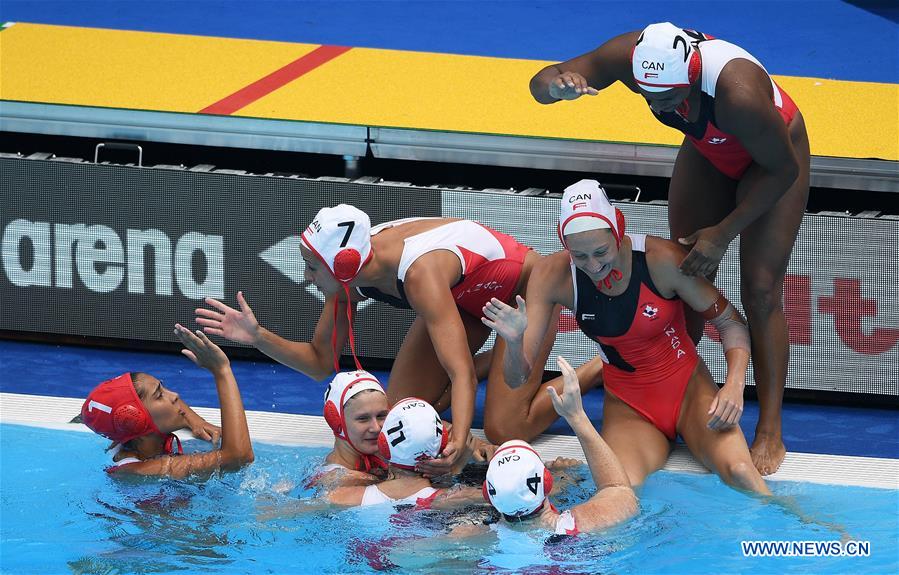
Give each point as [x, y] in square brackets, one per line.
[131, 70]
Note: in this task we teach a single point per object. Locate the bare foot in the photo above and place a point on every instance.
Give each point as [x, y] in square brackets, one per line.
[767, 452]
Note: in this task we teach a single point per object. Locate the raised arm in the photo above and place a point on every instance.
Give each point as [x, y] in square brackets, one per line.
[524, 327]
[614, 500]
[314, 358]
[236, 450]
[587, 73]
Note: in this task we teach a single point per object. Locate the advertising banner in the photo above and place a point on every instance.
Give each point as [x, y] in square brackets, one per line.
[121, 252]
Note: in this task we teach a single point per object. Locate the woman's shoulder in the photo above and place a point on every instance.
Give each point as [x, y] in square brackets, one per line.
[175, 465]
[555, 265]
[132, 465]
[663, 251]
[663, 259]
[551, 279]
[121, 464]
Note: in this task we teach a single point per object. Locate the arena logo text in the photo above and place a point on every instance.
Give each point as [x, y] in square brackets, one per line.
[54, 255]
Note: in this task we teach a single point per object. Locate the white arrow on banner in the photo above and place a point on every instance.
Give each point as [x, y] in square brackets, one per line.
[284, 256]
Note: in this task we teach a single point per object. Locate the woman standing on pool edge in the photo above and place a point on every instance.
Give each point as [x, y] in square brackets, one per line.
[444, 269]
[142, 415]
[628, 295]
[743, 169]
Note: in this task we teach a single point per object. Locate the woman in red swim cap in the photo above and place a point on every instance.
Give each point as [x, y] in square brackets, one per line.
[138, 413]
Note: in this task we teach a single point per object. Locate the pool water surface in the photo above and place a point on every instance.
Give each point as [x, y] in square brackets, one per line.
[60, 513]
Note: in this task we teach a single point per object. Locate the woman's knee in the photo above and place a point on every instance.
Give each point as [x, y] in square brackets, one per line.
[502, 429]
[497, 431]
[739, 472]
[762, 295]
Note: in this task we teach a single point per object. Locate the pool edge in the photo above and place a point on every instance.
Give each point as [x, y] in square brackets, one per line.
[309, 430]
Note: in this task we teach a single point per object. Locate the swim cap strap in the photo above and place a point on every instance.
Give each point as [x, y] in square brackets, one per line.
[368, 462]
[349, 318]
[614, 276]
[526, 516]
[169, 440]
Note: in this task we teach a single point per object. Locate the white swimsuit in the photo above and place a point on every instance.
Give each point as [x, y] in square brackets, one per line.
[565, 524]
[491, 263]
[120, 462]
[374, 496]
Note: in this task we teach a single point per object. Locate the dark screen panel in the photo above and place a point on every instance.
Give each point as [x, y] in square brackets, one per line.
[123, 252]
[120, 252]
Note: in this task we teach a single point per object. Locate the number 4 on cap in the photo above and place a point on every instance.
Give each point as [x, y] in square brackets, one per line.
[533, 482]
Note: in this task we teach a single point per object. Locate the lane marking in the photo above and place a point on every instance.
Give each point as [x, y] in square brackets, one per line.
[268, 84]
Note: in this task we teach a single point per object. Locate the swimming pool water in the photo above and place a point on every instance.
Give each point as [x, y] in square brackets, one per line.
[59, 513]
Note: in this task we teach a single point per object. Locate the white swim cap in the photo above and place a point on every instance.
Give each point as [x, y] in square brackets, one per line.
[585, 206]
[517, 481]
[664, 58]
[413, 431]
[344, 386]
[341, 238]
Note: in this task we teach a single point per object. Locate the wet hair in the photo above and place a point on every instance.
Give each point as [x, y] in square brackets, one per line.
[141, 392]
[473, 474]
[139, 376]
[444, 520]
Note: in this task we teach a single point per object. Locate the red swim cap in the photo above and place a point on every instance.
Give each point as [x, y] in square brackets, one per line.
[114, 410]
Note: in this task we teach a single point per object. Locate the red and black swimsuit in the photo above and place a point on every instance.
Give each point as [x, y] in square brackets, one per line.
[648, 356]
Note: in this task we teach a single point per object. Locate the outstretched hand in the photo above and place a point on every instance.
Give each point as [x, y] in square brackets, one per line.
[240, 326]
[569, 404]
[200, 350]
[570, 86]
[508, 322]
[709, 246]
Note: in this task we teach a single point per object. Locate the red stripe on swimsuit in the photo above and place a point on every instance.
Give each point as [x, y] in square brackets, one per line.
[485, 279]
